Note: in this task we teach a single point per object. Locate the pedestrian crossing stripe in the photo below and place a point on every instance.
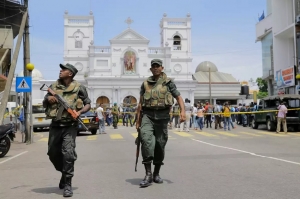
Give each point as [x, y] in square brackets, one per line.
[228, 134]
[92, 137]
[183, 134]
[43, 140]
[206, 134]
[252, 134]
[135, 135]
[116, 136]
[272, 134]
[23, 85]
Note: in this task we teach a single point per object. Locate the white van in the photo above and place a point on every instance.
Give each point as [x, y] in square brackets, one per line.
[39, 120]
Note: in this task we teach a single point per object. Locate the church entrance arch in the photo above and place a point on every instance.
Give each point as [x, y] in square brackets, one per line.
[103, 100]
[130, 100]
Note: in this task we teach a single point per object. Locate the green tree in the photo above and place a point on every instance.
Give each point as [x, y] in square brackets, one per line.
[263, 88]
[262, 84]
[261, 95]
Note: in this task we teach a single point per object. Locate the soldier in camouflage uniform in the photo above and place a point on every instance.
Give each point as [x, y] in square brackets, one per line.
[156, 98]
[62, 133]
[115, 112]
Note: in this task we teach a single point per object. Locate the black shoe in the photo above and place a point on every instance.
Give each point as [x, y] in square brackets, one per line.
[62, 182]
[148, 178]
[68, 192]
[156, 177]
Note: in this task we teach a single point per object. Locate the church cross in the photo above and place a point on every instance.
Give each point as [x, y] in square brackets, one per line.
[129, 21]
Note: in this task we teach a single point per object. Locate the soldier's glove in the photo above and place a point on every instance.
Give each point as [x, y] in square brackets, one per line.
[136, 141]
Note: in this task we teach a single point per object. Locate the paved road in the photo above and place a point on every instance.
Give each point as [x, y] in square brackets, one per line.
[238, 164]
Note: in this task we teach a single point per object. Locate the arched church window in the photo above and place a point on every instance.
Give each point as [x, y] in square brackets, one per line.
[129, 62]
[176, 43]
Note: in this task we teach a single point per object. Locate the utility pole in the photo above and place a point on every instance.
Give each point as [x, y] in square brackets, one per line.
[27, 96]
[209, 79]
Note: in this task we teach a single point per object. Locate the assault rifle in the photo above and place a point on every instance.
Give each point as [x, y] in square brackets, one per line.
[138, 140]
[138, 143]
[64, 106]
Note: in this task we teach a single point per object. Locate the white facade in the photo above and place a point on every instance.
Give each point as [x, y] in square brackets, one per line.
[112, 73]
[280, 23]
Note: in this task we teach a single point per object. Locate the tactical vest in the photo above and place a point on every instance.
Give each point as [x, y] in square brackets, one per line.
[70, 95]
[157, 96]
[114, 110]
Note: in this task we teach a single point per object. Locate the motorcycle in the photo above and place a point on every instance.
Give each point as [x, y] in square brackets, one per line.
[7, 134]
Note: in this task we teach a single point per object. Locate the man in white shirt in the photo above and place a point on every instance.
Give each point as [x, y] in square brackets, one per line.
[101, 117]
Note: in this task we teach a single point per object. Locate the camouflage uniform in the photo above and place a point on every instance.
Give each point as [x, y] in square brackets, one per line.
[62, 133]
[115, 113]
[156, 109]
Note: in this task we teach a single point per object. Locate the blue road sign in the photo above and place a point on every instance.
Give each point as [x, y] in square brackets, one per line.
[23, 84]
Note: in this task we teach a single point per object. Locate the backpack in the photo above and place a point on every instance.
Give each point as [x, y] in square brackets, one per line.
[226, 112]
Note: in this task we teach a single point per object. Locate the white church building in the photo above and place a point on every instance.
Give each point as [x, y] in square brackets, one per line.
[115, 73]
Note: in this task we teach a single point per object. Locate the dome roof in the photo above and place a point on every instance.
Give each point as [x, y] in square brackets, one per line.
[204, 67]
[36, 75]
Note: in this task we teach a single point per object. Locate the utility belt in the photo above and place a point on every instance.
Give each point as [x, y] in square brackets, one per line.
[63, 123]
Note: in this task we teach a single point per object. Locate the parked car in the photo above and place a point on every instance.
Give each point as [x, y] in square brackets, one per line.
[39, 120]
[270, 118]
[91, 121]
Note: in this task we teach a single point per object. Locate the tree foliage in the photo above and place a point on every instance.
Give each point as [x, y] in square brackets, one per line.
[261, 95]
[262, 85]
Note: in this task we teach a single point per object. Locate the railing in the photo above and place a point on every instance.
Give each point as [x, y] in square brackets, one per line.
[78, 21]
[102, 49]
[153, 50]
[176, 23]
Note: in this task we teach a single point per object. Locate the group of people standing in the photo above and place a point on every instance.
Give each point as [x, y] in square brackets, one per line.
[200, 115]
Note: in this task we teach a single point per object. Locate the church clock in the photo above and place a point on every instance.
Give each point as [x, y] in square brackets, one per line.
[78, 35]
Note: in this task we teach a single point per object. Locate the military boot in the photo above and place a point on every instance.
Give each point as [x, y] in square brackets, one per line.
[68, 192]
[156, 177]
[148, 178]
[62, 181]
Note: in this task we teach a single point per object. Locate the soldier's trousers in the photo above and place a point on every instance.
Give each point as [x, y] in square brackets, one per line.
[61, 148]
[154, 137]
[115, 120]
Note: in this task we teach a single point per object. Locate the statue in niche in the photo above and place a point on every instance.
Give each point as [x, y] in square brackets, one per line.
[129, 62]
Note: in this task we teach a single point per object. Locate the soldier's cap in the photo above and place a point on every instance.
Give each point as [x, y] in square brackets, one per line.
[69, 67]
[115, 103]
[156, 61]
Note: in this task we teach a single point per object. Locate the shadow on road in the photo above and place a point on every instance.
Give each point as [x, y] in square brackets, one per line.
[136, 181]
[50, 190]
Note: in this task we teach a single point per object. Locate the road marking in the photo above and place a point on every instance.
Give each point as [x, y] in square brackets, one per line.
[171, 138]
[92, 137]
[295, 134]
[116, 136]
[43, 140]
[13, 157]
[183, 134]
[134, 135]
[252, 134]
[249, 153]
[273, 134]
[206, 134]
[38, 134]
[228, 134]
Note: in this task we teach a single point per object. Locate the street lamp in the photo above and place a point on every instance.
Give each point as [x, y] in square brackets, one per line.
[29, 126]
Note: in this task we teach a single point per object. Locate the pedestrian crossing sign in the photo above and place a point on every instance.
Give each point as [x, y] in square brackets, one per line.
[23, 84]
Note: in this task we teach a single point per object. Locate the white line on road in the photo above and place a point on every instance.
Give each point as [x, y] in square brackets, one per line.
[13, 157]
[250, 153]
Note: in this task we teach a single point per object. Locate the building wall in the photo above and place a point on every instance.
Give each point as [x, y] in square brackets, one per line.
[266, 44]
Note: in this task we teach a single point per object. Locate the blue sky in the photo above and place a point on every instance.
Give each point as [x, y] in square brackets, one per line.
[223, 31]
